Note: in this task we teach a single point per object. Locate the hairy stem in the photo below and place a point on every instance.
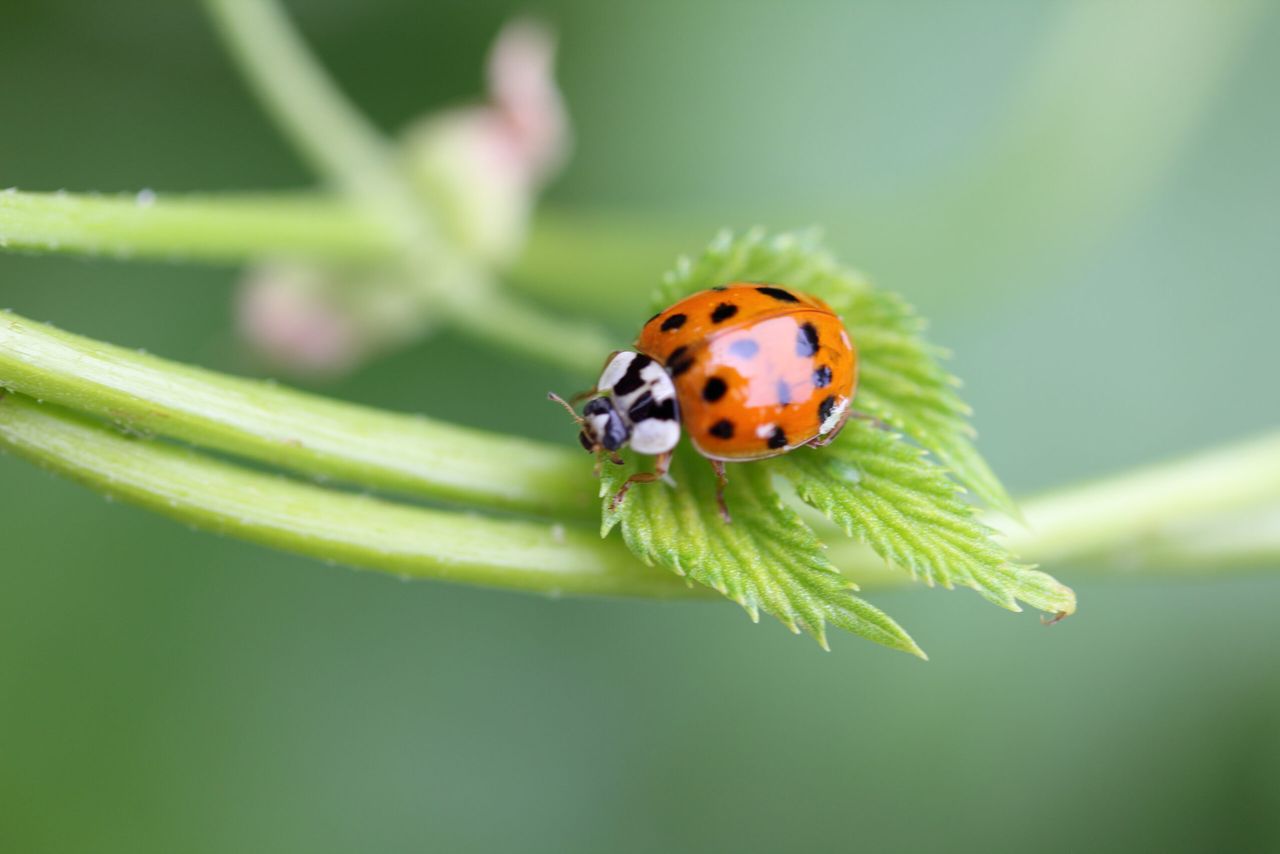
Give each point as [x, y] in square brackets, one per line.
[1173, 516]
[322, 523]
[290, 429]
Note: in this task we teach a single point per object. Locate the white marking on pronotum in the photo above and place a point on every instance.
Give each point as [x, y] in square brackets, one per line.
[656, 376]
[615, 369]
[654, 435]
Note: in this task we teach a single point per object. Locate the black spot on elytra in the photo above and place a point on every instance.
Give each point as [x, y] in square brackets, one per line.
[678, 362]
[714, 390]
[827, 406]
[807, 340]
[719, 288]
[777, 439]
[723, 312]
[631, 378]
[722, 429]
[778, 293]
[744, 348]
[822, 377]
[784, 392]
[675, 321]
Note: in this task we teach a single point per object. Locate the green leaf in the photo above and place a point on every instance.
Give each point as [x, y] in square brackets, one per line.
[880, 489]
[889, 495]
[901, 380]
[767, 559]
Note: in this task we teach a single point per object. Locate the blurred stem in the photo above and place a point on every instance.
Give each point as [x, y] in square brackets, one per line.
[289, 429]
[233, 229]
[354, 157]
[1176, 513]
[322, 523]
[1209, 513]
[1086, 135]
[323, 126]
[568, 257]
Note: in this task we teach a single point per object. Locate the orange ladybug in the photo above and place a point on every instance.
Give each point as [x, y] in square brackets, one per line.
[749, 370]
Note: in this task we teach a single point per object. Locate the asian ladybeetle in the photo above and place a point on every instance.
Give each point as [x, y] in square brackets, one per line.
[749, 370]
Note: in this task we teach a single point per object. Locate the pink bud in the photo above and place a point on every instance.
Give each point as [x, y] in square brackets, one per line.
[283, 313]
[522, 89]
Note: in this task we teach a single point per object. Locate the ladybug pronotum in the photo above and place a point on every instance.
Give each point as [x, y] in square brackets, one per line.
[748, 370]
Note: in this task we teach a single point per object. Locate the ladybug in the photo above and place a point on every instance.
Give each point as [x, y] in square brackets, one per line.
[748, 370]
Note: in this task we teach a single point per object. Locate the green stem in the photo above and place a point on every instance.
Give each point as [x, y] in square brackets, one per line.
[1174, 516]
[323, 126]
[193, 228]
[322, 523]
[1189, 515]
[342, 147]
[568, 257]
[1207, 513]
[290, 429]
[1177, 512]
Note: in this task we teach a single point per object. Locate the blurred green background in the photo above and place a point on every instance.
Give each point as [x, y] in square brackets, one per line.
[1085, 200]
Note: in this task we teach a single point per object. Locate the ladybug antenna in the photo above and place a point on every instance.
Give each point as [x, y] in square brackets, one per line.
[551, 395]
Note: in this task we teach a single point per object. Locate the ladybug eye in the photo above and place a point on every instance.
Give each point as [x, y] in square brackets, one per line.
[596, 406]
[586, 441]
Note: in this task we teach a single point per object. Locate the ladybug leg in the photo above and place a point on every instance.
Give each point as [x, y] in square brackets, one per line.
[721, 481]
[660, 466]
[871, 419]
[601, 456]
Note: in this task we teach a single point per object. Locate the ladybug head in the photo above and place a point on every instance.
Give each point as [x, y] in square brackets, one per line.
[634, 402]
[602, 429]
[603, 426]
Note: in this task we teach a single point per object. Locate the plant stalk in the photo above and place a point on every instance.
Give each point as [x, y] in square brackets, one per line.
[322, 523]
[292, 430]
[342, 147]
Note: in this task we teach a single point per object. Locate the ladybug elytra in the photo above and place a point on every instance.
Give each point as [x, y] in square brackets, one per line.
[748, 370]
